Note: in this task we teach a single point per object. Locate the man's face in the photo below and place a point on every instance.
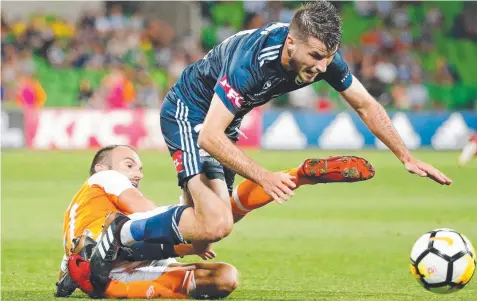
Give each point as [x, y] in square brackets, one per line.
[127, 162]
[308, 58]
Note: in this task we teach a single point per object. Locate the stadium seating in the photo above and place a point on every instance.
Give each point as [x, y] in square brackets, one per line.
[62, 85]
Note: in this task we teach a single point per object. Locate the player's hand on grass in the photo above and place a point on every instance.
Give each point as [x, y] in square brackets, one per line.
[210, 254]
[203, 250]
[278, 185]
[425, 170]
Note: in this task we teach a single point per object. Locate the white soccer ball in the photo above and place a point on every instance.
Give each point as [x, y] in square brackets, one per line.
[443, 261]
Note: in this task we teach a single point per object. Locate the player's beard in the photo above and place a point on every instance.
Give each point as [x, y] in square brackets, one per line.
[300, 69]
[307, 77]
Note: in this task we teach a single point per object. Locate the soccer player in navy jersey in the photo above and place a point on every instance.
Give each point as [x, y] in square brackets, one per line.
[201, 116]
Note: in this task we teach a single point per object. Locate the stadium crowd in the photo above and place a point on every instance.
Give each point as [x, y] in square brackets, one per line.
[133, 49]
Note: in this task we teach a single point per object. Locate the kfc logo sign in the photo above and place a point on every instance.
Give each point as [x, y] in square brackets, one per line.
[82, 129]
[231, 94]
[178, 163]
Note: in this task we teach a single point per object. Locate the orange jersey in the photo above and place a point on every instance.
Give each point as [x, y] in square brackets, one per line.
[87, 212]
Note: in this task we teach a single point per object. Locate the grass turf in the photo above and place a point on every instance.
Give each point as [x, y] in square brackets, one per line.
[330, 242]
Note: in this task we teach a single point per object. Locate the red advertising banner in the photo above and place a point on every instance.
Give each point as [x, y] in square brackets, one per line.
[83, 128]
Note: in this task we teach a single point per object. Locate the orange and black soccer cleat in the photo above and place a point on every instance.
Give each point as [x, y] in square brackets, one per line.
[334, 170]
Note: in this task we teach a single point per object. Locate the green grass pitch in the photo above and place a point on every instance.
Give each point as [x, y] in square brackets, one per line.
[330, 242]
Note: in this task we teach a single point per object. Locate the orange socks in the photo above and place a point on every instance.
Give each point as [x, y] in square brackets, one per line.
[248, 195]
[170, 285]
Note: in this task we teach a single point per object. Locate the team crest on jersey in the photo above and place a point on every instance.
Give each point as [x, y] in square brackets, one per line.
[178, 162]
[235, 98]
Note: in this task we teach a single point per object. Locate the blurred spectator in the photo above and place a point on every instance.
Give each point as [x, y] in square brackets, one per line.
[85, 92]
[385, 70]
[425, 42]
[371, 39]
[56, 55]
[29, 92]
[148, 95]
[116, 19]
[255, 7]
[278, 11]
[120, 92]
[365, 8]
[443, 75]
[434, 17]
[417, 93]
[253, 20]
[400, 97]
[26, 65]
[177, 65]
[97, 60]
[392, 59]
[465, 26]
[400, 17]
[384, 8]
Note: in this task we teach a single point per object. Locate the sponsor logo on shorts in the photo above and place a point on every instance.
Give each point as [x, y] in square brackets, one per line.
[150, 292]
[178, 163]
[231, 94]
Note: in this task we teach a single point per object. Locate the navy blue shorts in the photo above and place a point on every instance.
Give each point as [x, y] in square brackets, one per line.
[180, 127]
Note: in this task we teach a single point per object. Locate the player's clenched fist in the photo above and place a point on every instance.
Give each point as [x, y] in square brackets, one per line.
[278, 185]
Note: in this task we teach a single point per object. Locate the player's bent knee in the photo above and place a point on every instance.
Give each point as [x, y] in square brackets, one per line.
[217, 230]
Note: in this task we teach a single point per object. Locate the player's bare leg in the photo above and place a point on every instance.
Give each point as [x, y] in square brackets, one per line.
[211, 201]
[248, 196]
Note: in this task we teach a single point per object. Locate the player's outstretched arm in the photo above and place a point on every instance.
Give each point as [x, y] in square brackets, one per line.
[213, 140]
[378, 121]
[132, 200]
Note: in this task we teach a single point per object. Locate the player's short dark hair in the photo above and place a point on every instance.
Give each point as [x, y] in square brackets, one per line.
[319, 19]
[102, 156]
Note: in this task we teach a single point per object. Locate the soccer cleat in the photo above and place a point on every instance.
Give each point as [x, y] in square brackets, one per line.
[65, 287]
[335, 169]
[83, 246]
[80, 272]
[106, 251]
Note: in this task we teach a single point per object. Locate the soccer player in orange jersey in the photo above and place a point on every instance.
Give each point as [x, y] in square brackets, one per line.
[116, 172]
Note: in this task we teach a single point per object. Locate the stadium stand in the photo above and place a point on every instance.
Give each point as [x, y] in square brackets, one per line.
[410, 55]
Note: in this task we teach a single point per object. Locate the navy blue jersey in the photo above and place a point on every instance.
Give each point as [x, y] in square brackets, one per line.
[245, 71]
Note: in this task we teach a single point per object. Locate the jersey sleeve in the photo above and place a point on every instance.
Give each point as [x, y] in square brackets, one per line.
[338, 74]
[113, 182]
[234, 82]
